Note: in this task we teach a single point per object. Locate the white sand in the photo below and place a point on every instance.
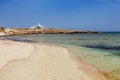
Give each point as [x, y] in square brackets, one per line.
[2, 34]
[13, 50]
[44, 63]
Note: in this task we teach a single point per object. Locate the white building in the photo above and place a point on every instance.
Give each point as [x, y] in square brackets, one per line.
[37, 26]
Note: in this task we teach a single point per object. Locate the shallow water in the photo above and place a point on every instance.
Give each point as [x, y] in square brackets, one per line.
[99, 50]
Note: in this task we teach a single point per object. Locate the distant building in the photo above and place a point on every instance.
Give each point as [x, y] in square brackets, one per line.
[38, 26]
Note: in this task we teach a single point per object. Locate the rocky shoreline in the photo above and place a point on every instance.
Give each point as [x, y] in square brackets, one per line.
[29, 31]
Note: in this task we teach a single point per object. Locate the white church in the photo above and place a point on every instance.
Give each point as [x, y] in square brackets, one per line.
[38, 26]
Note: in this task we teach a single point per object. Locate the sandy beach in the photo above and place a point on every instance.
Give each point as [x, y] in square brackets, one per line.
[31, 61]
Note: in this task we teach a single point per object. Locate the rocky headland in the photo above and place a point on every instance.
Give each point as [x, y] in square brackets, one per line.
[30, 31]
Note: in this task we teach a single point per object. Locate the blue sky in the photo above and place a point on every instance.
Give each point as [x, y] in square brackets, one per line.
[99, 15]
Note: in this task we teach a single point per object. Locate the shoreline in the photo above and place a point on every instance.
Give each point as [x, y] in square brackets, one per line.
[84, 69]
[88, 69]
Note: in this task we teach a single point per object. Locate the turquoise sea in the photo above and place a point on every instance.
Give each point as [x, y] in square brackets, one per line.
[99, 50]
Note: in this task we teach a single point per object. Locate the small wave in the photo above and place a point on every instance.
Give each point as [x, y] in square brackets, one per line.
[93, 68]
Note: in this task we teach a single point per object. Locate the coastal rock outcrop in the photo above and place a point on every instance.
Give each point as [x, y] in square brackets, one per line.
[29, 31]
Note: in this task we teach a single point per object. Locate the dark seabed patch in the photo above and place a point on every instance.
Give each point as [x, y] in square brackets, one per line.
[20, 40]
[104, 47]
[114, 50]
[2, 38]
